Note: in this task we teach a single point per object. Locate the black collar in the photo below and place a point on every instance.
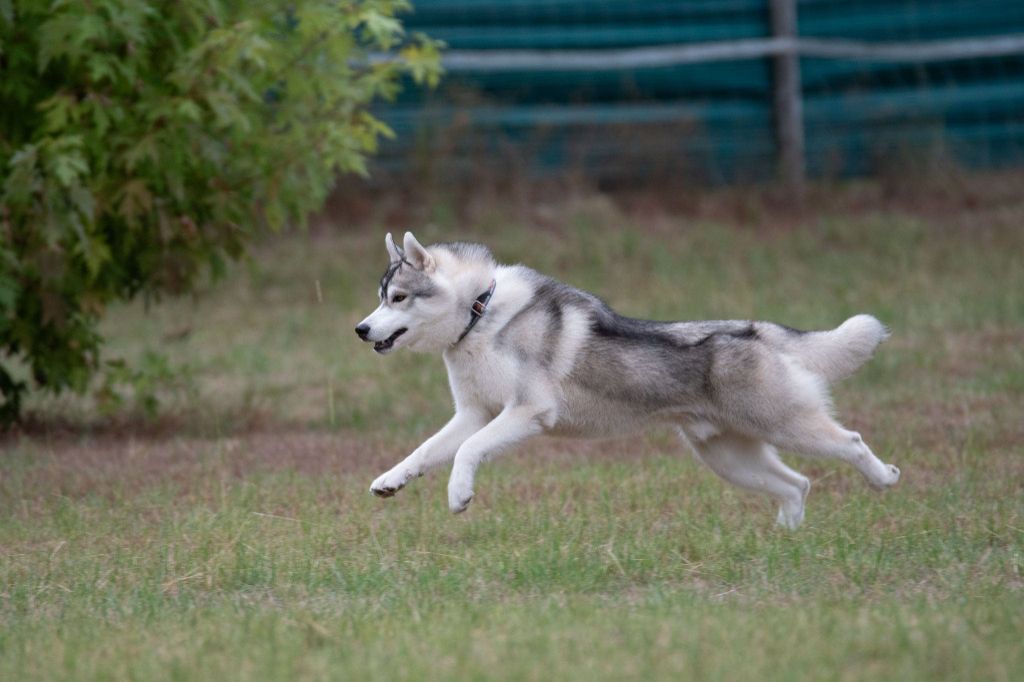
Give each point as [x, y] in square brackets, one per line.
[477, 310]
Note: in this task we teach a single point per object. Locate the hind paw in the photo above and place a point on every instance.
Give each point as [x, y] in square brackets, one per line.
[790, 519]
[791, 511]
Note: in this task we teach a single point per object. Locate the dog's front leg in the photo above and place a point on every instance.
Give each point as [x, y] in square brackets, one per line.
[437, 449]
[512, 426]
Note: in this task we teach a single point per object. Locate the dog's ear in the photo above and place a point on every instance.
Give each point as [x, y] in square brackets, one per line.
[417, 255]
[394, 253]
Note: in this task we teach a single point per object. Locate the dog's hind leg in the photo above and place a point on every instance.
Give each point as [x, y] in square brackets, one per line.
[755, 465]
[816, 434]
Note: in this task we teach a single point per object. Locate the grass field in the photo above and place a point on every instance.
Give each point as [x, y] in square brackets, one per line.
[233, 536]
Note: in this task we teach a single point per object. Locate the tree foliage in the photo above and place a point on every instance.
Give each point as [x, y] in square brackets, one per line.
[143, 143]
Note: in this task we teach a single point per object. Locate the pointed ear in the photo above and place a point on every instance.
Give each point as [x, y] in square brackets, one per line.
[417, 255]
[394, 253]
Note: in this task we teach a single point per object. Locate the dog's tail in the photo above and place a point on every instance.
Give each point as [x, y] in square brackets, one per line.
[836, 354]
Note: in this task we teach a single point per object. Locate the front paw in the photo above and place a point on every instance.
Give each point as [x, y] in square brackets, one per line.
[389, 483]
[886, 476]
[460, 494]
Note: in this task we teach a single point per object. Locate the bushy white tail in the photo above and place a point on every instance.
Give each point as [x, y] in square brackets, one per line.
[838, 353]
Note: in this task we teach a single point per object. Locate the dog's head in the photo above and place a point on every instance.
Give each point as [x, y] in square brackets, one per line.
[420, 306]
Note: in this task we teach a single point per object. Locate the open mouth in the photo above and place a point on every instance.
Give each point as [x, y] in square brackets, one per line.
[386, 345]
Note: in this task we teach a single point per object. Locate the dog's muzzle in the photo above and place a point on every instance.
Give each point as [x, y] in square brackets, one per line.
[386, 345]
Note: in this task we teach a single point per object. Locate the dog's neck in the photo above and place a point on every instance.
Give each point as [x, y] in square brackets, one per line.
[478, 309]
[477, 286]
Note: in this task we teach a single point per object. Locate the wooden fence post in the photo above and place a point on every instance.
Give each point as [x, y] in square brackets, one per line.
[788, 95]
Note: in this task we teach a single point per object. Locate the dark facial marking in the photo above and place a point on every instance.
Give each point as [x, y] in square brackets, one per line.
[425, 292]
[389, 275]
[410, 282]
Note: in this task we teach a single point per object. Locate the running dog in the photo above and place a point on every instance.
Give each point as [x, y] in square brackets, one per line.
[527, 355]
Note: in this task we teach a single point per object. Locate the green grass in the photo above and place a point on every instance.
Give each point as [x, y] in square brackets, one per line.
[233, 538]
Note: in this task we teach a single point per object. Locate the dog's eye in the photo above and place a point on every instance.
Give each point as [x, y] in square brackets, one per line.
[398, 298]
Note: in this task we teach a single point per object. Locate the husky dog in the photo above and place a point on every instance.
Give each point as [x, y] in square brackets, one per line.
[527, 355]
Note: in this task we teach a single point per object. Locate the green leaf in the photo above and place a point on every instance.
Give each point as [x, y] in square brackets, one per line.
[96, 254]
[68, 167]
[423, 60]
[188, 109]
[384, 31]
[57, 112]
[134, 200]
[144, 149]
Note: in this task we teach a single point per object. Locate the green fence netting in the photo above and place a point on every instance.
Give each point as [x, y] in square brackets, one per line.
[709, 121]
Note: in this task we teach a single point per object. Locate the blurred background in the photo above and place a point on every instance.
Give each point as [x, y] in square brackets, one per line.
[193, 202]
[714, 91]
[146, 148]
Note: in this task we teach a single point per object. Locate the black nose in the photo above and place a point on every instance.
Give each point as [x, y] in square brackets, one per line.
[362, 330]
